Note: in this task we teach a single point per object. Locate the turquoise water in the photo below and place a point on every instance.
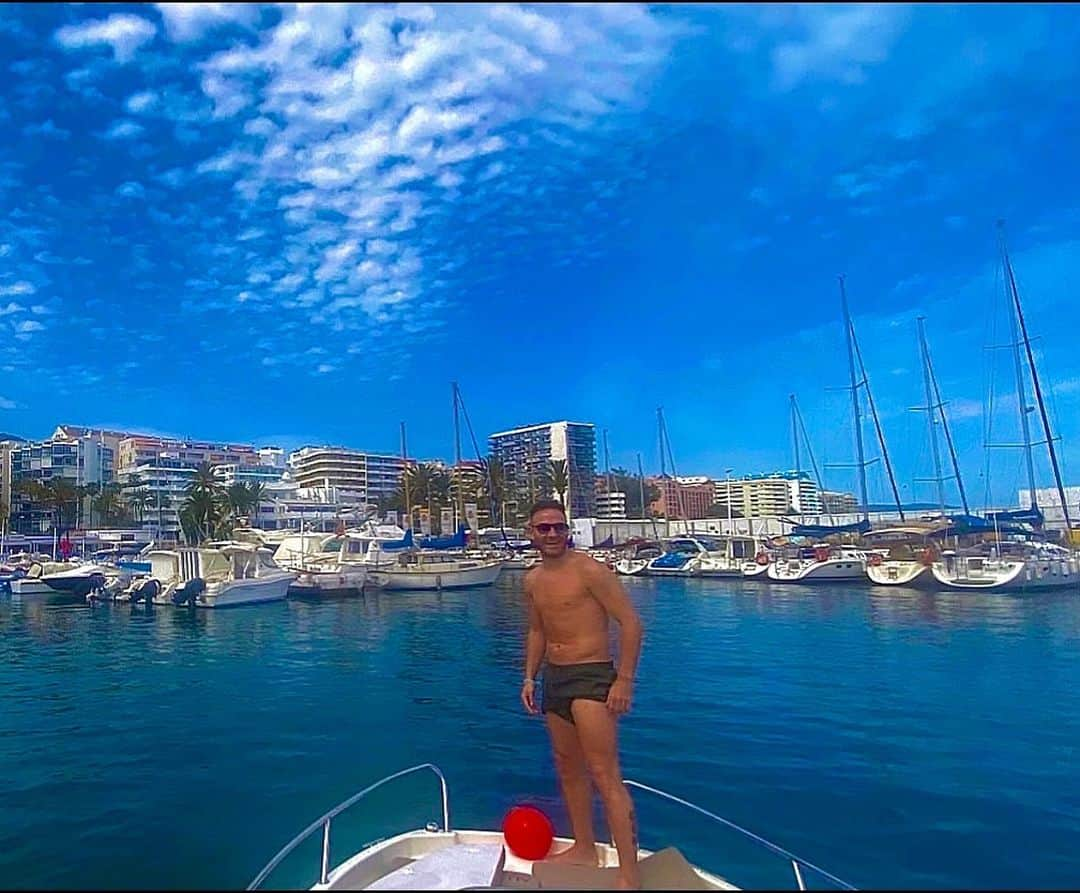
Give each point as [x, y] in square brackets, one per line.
[896, 739]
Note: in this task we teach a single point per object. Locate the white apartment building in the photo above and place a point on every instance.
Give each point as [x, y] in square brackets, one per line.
[365, 477]
[611, 506]
[768, 496]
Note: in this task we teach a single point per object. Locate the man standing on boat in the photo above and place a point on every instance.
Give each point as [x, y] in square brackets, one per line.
[571, 600]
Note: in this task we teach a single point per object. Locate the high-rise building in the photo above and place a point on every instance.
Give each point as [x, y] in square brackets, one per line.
[526, 455]
[365, 477]
[80, 461]
[782, 493]
[272, 456]
[155, 472]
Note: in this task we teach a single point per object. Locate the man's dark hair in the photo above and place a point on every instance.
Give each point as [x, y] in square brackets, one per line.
[542, 504]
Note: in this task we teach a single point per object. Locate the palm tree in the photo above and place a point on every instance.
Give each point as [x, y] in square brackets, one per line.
[238, 500]
[60, 495]
[205, 481]
[89, 493]
[495, 476]
[560, 479]
[138, 501]
[201, 515]
[256, 497]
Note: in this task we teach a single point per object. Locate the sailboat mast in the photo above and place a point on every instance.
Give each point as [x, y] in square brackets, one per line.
[460, 506]
[877, 424]
[795, 447]
[859, 454]
[813, 461]
[607, 464]
[940, 406]
[645, 511]
[665, 439]
[930, 416]
[405, 476]
[1018, 367]
[1038, 394]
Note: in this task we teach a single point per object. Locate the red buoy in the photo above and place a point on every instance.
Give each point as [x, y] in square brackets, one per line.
[528, 832]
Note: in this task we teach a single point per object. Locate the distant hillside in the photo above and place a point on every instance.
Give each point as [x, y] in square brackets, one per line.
[11, 437]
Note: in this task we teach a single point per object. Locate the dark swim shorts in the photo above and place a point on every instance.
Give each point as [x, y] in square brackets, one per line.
[564, 683]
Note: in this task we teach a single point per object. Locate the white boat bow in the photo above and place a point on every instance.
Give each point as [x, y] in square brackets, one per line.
[439, 858]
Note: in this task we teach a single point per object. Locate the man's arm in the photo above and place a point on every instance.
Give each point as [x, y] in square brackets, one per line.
[606, 589]
[535, 643]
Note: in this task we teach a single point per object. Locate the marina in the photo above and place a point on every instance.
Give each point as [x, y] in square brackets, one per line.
[934, 731]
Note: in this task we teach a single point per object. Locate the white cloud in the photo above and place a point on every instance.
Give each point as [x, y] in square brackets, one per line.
[124, 129]
[123, 33]
[141, 102]
[131, 189]
[189, 21]
[12, 307]
[836, 42]
[22, 287]
[5, 403]
[29, 325]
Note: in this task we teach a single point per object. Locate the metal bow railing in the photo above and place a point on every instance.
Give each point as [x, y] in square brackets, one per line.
[796, 862]
[325, 820]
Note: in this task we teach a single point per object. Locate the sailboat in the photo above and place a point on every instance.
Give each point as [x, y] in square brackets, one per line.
[912, 549]
[843, 563]
[440, 562]
[1025, 564]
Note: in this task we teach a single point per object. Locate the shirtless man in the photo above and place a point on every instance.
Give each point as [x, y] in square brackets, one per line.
[571, 598]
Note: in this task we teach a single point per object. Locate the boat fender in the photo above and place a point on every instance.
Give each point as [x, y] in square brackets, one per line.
[762, 558]
[874, 560]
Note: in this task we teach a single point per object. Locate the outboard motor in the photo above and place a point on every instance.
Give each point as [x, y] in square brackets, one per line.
[146, 593]
[189, 592]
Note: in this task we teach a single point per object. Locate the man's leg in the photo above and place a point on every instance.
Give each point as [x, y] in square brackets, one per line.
[596, 727]
[576, 790]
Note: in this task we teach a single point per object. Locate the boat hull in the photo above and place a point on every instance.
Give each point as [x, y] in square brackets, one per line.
[833, 570]
[315, 583]
[417, 579]
[245, 592]
[906, 574]
[1029, 575]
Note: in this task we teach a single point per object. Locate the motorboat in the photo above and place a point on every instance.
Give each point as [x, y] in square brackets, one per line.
[214, 575]
[59, 577]
[726, 556]
[439, 857]
[637, 557]
[1008, 566]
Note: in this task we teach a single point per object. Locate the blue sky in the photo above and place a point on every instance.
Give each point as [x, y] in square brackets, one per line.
[298, 224]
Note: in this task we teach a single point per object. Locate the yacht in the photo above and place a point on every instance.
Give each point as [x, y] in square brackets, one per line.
[428, 570]
[329, 563]
[1009, 567]
[819, 564]
[903, 559]
[439, 857]
[636, 558]
[727, 556]
[59, 577]
[214, 575]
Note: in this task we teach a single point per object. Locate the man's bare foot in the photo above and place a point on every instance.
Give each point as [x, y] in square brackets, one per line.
[627, 882]
[577, 854]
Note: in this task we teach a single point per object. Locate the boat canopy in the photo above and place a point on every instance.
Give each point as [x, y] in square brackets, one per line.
[457, 541]
[1032, 516]
[405, 542]
[820, 530]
